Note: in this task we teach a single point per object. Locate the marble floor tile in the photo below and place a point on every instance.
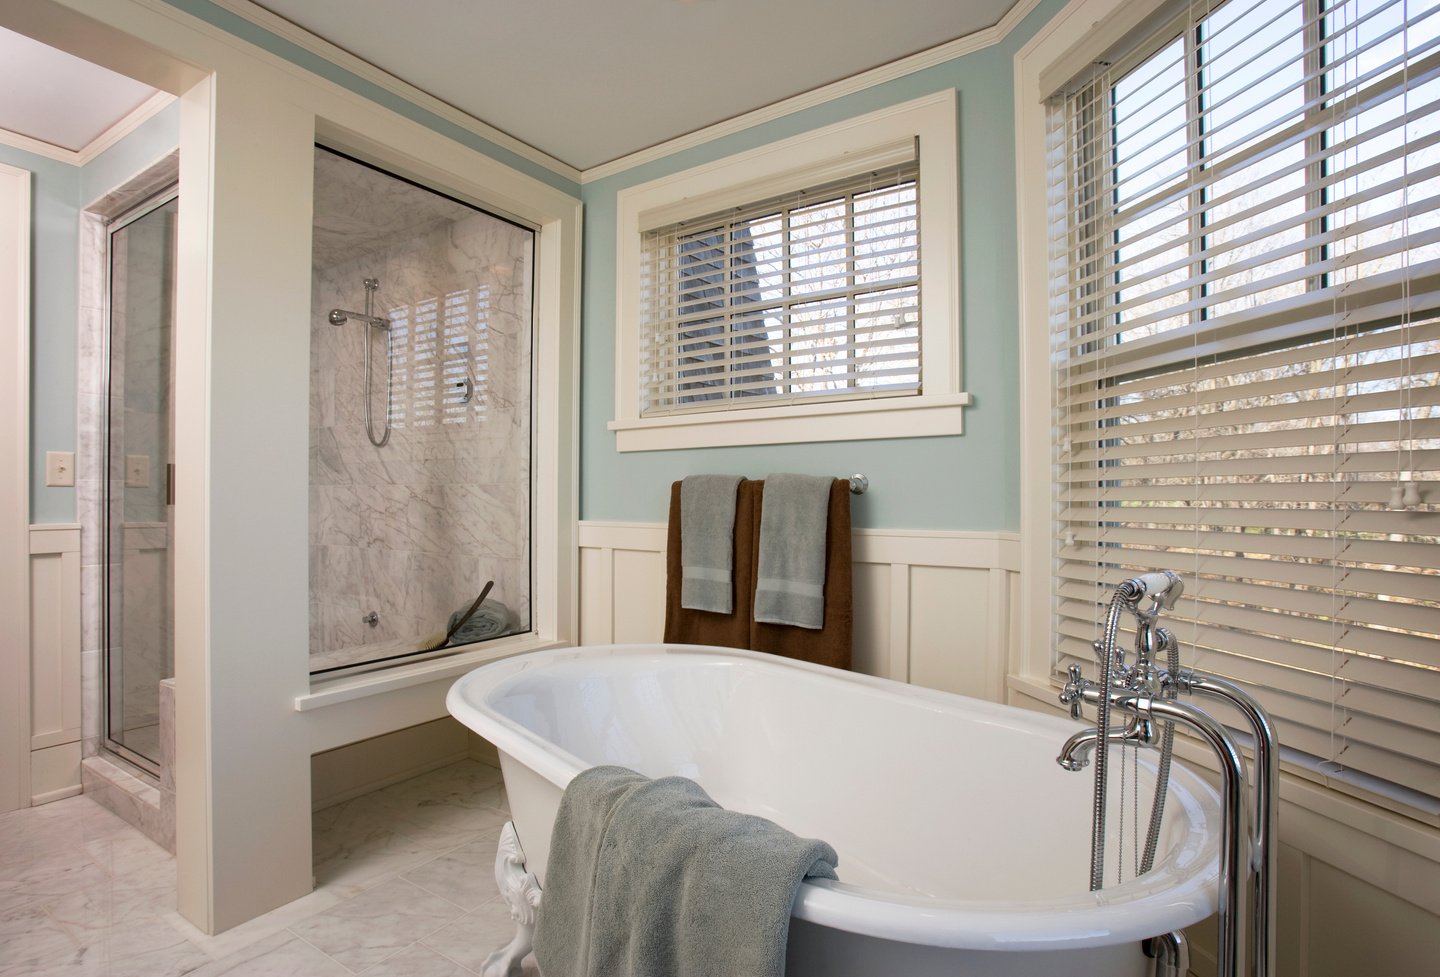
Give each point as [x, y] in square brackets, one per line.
[83, 894]
[474, 936]
[465, 876]
[238, 938]
[34, 945]
[349, 869]
[51, 875]
[374, 925]
[282, 955]
[417, 961]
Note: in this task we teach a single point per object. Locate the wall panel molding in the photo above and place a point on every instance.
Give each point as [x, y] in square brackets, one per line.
[916, 592]
[54, 686]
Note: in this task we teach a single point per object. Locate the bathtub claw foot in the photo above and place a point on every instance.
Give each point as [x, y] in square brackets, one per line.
[521, 892]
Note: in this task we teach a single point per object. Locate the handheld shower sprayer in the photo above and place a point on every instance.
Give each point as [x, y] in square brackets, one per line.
[1164, 588]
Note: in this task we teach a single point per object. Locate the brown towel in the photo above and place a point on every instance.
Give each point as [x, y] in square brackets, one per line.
[686, 626]
[828, 646]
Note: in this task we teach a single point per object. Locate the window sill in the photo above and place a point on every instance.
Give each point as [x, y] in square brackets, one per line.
[855, 420]
[335, 691]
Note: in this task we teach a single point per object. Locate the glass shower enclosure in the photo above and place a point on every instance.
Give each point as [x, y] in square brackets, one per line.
[137, 514]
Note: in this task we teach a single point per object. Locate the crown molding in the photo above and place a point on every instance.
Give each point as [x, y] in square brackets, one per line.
[941, 53]
[131, 121]
[341, 58]
[288, 31]
[137, 117]
[38, 147]
[909, 65]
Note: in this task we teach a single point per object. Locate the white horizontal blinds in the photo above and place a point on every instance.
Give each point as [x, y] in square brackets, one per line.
[435, 345]
[398, 338]
[813, 296]
[465, 347]
[1246, 332]
[426, 347]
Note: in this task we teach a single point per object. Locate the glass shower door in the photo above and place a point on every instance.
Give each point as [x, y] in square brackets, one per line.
[138, 513]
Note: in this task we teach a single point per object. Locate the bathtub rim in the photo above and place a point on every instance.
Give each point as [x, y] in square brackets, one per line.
[1189, 892]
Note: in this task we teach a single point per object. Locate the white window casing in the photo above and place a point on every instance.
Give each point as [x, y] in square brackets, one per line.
[677, 237]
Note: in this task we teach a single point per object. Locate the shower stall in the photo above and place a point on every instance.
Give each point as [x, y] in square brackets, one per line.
[137, 515]
[420, 421]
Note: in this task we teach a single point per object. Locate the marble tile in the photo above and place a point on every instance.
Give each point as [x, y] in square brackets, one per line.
[51, 875]
[241, 941]
[417, 961]
[34, 945]
[124, 928]
[465, 876]
[350, 864]
[367, 929]
[283, 955]
[474, 936]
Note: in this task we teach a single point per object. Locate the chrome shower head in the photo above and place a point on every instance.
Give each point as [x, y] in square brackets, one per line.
[338, 317]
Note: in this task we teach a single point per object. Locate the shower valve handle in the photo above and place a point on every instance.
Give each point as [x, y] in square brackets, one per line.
[1072, 695]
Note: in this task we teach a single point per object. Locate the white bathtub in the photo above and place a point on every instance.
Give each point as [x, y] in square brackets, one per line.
[963, 847]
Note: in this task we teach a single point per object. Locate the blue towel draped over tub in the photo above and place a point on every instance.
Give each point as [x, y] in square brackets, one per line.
[650, 878]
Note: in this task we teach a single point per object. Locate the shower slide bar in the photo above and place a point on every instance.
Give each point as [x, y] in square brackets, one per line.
[338, 317]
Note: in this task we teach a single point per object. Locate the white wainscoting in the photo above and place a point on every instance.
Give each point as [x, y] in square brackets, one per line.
[55, 717]
[934, 608]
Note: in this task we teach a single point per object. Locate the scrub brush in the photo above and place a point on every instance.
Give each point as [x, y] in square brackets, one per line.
[442, 638]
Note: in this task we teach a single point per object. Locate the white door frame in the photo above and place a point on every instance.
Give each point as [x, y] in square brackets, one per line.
[15, 489]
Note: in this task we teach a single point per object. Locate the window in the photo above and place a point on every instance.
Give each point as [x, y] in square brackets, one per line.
[1245, 336]
[785, 295]
[439, 349]
[812, 296]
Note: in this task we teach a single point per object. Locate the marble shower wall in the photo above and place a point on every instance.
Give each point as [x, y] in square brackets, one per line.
[412, 531]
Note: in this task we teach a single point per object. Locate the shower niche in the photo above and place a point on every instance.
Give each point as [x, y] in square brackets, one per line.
[421, 372]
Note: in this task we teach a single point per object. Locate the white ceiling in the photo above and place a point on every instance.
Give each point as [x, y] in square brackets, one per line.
[588, 81]
[59, 99]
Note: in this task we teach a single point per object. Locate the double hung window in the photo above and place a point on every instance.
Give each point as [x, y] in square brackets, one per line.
[812, 296]
[806, 290]
[1245, 339]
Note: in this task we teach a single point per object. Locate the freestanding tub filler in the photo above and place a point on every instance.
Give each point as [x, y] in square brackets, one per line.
[964, 847]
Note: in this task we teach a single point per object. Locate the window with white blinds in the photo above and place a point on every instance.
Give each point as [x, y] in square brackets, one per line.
[811, 296]
[1245, 309]
[439, 359]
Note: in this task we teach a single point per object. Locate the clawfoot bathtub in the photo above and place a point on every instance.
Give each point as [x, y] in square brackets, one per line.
[963, 847]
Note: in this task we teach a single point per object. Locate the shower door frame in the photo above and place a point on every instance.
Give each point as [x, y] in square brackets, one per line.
[139, 210]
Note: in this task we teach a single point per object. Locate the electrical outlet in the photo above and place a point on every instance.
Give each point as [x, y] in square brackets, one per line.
[137, 471]
[59, 468]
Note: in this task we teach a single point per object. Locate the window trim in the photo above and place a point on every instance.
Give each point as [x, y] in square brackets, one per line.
[779, 167]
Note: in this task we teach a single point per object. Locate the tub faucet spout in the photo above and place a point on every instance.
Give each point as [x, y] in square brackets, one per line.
[1075, 754]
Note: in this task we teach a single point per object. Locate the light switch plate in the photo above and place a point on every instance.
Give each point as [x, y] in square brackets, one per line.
[59, 468]
[137, 471]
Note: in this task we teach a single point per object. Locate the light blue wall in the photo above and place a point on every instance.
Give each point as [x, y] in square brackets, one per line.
[965, 482]
[59, 192]
[54, 230]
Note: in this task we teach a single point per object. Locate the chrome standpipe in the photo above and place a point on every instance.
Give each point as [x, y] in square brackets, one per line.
[1265, 815]
[1145, 693]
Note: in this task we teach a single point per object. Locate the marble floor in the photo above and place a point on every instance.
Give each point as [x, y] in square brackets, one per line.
[405, 887]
